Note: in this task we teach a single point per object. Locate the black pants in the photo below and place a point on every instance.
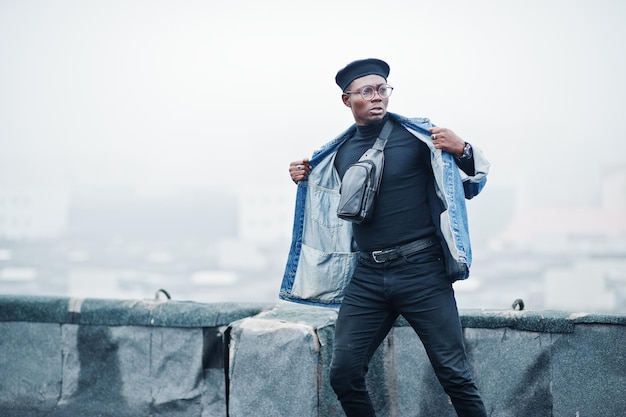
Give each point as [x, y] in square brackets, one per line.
[416, 287]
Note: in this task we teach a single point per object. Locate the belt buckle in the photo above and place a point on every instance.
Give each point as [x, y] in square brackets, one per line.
[380, 253]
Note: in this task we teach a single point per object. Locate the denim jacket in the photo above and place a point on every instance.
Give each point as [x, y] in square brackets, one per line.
[322, 256]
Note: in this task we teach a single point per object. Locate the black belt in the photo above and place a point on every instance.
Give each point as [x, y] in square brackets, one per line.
[380, 256]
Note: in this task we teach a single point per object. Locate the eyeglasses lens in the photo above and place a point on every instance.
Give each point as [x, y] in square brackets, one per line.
[384, 91]
[368, 91]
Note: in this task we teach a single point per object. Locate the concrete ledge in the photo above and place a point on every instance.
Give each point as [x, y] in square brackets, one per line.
[279, 363]
[115, 358]
[536, 321]
[64, 357]
[110, 312]
[552, 364]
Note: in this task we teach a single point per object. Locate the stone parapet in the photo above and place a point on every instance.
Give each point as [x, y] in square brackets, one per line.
[62, 357]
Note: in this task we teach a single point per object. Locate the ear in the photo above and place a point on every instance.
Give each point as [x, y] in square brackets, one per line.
[346, 100]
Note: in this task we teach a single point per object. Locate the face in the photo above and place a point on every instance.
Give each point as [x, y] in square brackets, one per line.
[366, 112]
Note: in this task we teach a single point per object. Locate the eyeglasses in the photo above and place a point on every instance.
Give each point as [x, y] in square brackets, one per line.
[369, 91]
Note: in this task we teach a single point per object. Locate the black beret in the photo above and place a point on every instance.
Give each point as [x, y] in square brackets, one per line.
[361, 68]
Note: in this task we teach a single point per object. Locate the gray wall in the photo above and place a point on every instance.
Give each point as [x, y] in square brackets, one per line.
[74, 357]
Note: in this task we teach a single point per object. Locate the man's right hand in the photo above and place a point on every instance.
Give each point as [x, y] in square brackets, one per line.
[299, 170]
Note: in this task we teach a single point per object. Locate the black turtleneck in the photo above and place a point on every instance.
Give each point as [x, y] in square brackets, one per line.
[401, 212]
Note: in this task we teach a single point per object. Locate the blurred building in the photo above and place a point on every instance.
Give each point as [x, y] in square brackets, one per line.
[266, 214]
[586, 246]
[600, 228]
[33, 213]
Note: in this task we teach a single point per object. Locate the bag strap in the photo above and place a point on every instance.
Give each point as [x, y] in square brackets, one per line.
[381, 141]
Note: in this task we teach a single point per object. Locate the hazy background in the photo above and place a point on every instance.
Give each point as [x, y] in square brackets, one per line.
[160, 96]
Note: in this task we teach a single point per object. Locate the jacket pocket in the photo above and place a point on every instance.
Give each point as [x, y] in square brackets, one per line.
[323, 206]
[323, 276]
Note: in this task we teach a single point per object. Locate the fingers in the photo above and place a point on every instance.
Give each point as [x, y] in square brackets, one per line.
[438, 135]
[299, 170]
[299, 166]
[445, 139]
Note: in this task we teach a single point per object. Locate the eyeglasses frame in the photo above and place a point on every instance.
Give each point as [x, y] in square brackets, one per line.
[376, 90]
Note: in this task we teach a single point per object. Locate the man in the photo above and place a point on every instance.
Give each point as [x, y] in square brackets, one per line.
[404, 259]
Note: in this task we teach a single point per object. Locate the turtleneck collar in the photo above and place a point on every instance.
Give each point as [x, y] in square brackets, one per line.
[367, 131]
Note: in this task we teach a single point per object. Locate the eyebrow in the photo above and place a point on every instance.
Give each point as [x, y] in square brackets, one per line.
[371, 85]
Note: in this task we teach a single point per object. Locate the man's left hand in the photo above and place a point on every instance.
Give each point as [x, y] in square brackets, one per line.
[447, 141]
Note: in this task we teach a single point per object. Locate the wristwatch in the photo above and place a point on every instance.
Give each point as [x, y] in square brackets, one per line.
[467, 152]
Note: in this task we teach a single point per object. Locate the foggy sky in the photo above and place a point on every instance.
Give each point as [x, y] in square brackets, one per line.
[168, 94]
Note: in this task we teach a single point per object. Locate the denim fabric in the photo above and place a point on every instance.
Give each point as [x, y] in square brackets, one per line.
[322, 256]
[418, 288]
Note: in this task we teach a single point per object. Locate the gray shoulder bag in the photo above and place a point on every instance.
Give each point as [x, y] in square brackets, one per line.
[360, 183]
